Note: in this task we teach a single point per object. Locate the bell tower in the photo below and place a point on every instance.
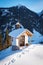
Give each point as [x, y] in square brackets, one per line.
[17, 25]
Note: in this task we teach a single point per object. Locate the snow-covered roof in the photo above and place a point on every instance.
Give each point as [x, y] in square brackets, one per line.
[17, 23]
[17, 32]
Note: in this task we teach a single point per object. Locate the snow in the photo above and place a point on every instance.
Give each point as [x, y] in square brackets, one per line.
[40, 13]
[13, 27]
[7, 52]
[11, 13]
[31, 55]
[19, 5]
[16, 32]
[37, 37]
[5, 12]
[16, 19]
[5, 29]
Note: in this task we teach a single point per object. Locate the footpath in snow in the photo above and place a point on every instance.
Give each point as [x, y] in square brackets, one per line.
[32, 55]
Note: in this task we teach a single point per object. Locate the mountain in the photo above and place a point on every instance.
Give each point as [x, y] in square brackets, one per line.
[29, 19]
[40, 13]
[41, 21]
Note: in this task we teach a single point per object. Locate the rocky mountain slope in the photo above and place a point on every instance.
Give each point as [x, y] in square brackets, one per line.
[29, 19]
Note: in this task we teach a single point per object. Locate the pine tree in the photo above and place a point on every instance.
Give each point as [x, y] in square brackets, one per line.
[7, 38]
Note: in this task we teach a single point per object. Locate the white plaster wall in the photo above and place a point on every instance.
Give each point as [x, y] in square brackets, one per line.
[17, 42]
[26, 38]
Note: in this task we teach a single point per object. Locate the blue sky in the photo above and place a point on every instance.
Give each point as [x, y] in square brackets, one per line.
[34, 5]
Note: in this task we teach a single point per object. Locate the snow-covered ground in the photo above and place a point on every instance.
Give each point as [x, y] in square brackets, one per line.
[31, 55]
[36, 38]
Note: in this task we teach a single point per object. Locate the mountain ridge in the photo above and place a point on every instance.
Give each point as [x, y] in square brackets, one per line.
[29, 19]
